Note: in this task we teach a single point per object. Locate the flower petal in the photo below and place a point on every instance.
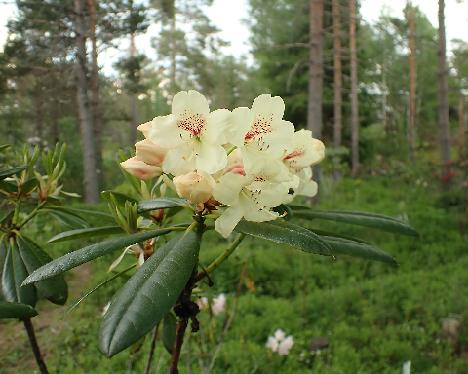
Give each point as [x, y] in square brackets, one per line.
[179, 160]
[241, 122]
[210, 158]
[164, 132]
[228, 220]
[139, 169]
[228, 188]
[190, 101]
[216, 127]
[268, 106]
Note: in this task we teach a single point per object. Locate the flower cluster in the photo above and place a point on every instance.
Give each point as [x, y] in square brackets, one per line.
[248, 160]
[217, 306]
[280, 343]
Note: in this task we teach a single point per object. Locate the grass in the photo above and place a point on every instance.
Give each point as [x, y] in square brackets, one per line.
[374, 317]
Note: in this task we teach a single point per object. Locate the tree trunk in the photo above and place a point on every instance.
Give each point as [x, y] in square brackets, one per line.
[412, 80]
[443, 106]
[314, 107]
[133, 98]
[39, 106]
[84, 110]
[354, 89]
[174, 52]
[94, 83]
[461, 127]
[337, 81]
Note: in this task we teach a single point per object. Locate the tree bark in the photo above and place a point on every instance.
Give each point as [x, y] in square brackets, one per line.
[132, 98]
[412, 80]
[94, 83]
[354, 89]
[337, 80]
[314, 107]
[443, 106]
[84, 110]
[174, 51]
[461, 127]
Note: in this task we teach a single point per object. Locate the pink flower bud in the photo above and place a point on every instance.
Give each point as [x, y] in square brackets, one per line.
[197, 187]
[150, 153]
[145, 128]
[139, 169]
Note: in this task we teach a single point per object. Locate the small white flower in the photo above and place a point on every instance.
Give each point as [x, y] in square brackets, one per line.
[219, 304]
[285, 346]
[193, 134]
[279, 343]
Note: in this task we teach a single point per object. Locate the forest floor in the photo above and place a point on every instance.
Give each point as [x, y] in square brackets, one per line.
[366, 317]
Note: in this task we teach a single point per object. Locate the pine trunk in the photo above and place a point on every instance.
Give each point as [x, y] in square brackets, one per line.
[314, 108]
[132, 98]
[94, 82]
[337, 80]
[461, 128]
[412, 81]
[443, 107]
[84, 110]
[174, 53]
[354, 89]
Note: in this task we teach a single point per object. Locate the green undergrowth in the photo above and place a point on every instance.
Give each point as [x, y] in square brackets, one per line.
[374, 317]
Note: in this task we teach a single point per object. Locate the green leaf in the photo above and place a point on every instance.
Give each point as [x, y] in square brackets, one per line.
[65, 216]
[150, 294]
[16, 310]
[7, 216]
[4, 147]
[28, 186]
[169, 331]
[14, 273]
[162, 203]
[89, 212]
[120, 197]
[54, 289]
[9, 172]
[88, 253]
[351, 248]
[376, 221]
[8, 187]
[283, 232]
[86, 233]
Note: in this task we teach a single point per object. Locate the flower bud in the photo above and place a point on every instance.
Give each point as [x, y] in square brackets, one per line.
[195, 187]
[150, 153]
[139, 169]
[145, 128]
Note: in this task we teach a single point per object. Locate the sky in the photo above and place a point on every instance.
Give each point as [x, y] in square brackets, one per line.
[229, 16]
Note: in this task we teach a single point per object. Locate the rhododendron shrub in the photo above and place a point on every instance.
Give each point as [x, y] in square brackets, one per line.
[237, 172]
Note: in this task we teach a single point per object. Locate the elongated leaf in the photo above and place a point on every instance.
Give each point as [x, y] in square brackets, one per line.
[68, 218]
[334, 234]
[286, 233]
[8, 187]
[169, 331]
[120, 197]
[86, 233]
[54, 289]
[90, 212]
[164, 202]
[363, 250]
[150, 294]
[16, 310]
[14, 273]
[7, 216]
[376, 221]
[9, 172]
[88, 253]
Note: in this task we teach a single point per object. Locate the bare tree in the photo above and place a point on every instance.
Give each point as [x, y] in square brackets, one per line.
[354, 89]
[337, 79]
[84, 110]
[412, 79]
[314, 107]
[443, 106]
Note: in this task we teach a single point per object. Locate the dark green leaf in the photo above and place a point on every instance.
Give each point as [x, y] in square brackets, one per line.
[376, 221]
[4, 147]
[283, 232]
[150, 294]
[16, 310]
[14, 273]
[8, 187]
[9, 172]
[28, 186]
[169, 332]
[329, 233]
[90, 212]
[86, 233]
[164, 202]
[54, 289]
[88, 253]
[65, 217]
[351, 248]
[7, 216]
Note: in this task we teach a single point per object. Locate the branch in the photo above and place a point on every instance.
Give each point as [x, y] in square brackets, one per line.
[34, 346]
